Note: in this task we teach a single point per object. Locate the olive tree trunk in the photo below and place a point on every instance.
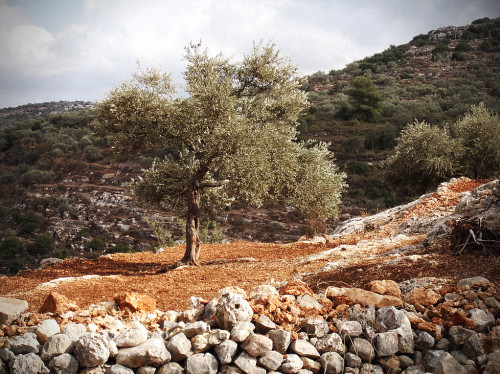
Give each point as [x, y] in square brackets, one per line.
[193, 243]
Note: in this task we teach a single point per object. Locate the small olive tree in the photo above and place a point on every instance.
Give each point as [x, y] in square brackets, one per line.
[233, 136]
[479, 134]
[424, 156]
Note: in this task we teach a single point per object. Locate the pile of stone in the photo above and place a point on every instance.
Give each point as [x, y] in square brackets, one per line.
[408, 328]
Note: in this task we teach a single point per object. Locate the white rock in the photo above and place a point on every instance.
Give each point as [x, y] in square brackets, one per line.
[11, 309]
[92, 350]
[46, 329]
[201, 363]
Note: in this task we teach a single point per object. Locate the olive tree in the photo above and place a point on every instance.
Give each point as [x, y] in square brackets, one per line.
[231, 136]
[479, 134]
[424, 156]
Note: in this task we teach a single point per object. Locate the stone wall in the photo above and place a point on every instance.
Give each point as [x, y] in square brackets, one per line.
[380, 330]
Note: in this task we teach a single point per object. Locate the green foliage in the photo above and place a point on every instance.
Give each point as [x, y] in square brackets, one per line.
[28, 222]
[16, 265]
[120, 248]
[96, 244]
[479, 134]
[381, 137]
[36, 176]
[161, 232]
[234, 136]
[439, 51]
[424, 156]
[364, 99]
[10, 247]
[43, 244]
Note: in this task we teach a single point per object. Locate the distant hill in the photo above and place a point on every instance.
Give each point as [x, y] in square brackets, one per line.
[24, 112]
[435, 77]
[58, 178]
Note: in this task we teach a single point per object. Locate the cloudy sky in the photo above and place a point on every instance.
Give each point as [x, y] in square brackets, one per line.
[53, 50]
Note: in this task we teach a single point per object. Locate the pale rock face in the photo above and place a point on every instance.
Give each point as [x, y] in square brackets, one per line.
[11, 309]
[179, 347]
[291, 364]
[281, 340]
[304, 348]
[332, 363]
[46, 329]
[64, 364]
[201, 363]
[131, 337]
[92, 350]
[26, 343]
[56, 345]
[257, 345]
[271, 361]
[28, 364]
[226, 351]
[233, 308]
[151, 353]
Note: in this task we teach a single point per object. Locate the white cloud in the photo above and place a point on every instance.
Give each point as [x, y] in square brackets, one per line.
[90, 52]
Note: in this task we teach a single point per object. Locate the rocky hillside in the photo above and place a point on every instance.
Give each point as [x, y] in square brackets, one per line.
[400, 291]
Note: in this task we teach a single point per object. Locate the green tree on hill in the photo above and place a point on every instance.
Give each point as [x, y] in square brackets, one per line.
[364, 99]
[479, 133]
[233, 136]
[424, 156]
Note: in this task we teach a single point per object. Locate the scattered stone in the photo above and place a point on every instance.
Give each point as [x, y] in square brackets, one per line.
[281, 340]
[135, 302]
[131, 337]
[169, 368]
[179, 347]
[422, 296]
[63, 364]
[226, 351]
[241, 331]
[363, 349]
[448, 364]
[119, 369]
[257, 345]
[246, 363]
[58, 304]
[272, 360]
[351, 329]
[385, 287]
[26, 343]
[386, 343]
[308, 302]
[316, 327]
[291, 364]
[332, 363]
[330, 343]
[201, 363]
[363, 297]
[56, 345]
[151, 353]
[92, 350]
[304, 348]
[264, 324]
[233, 308]
[46, 329]
[29, 363]
[472, 282]
[481, 319]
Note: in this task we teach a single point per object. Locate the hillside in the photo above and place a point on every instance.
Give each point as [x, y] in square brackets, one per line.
[63, 194]
[436, 78]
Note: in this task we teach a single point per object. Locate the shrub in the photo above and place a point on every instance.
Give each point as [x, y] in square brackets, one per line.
[479, 134]
[10, 247]
[28, 222]
[96, 244]
[424, 156]
[42, 245]
[120, 248]
[36, 176]
[16, 265]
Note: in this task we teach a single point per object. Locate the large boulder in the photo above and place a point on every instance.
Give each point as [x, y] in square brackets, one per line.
[11, 309]
[233, 308]
[150, 353]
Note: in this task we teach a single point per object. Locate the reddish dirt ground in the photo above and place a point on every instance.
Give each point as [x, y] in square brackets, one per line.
[242, 264]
